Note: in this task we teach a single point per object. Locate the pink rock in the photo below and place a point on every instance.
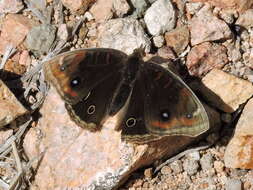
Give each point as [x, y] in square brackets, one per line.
[25, 58]
[14, 30]
[77, 6]
[77, 158]
[246, 19]
[224, 91]
[206, 56]
[102, 10]
[240, 5]
[11, 6]
[238, 153]
[204, 27]
[178, 38]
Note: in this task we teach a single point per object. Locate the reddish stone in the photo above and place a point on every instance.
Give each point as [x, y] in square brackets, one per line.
[102, 10]
[240, 5]
[178, 39]
[204, 27]
[206, 56]
[77, 6]
[14, 30]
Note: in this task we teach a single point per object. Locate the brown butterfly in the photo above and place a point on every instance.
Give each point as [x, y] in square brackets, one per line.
[152, 102]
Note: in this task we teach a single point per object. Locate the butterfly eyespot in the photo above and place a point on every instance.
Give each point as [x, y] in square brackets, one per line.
[189, 116]
[91, 109]
[75, 82]
[165, 115]
[86, 97]
[62, 68]
[131, 122]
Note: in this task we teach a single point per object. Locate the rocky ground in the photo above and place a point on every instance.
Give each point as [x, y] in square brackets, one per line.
[211, 44]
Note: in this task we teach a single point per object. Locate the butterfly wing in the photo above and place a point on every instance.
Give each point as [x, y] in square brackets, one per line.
[86, 80]
[76, 73]
[92, 111]
[166, 106]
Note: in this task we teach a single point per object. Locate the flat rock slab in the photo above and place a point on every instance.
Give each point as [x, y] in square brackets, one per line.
[239, 150]
[11, 108]
[225, 91]
[75, 158]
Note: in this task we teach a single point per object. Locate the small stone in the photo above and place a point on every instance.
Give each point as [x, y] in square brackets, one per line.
[227, 91]
[233, 184]
[148, 173]
[15, 27]
[120, 7]
[240, 5]
[140, 7]
[204, 26]
[193, 8]
[11, 6]
[191, 166]
[40, 38]
[118, 34]
[166, 52]
[160, 17]
[206, 161]
[158, 41]
[194, 155]
[63, 32]
[176, 166]
[102, 10]
[228, 16]
[178, 39]
[77, 6]
[246, 19]
[206, 56]
[218, 166]
[88, 16]
[11, 108]
[166, 170]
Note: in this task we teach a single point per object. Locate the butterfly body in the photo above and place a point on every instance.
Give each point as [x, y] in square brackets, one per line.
[100, 83]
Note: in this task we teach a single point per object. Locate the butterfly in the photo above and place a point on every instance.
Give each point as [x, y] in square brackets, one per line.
[150, 101]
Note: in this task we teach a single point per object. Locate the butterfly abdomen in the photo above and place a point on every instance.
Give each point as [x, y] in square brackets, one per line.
[124, 89]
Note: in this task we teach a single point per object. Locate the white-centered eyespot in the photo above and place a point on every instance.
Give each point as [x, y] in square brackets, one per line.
[131, 122]
[91, 109]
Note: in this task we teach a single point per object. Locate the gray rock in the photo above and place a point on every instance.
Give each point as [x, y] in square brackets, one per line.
[160, 17]
[40, 38]
[191, 166]
[125, 34]
[140, 7]
[158, 41]
[194, 155]
[177, 166]
[206, 161]
[233, 184]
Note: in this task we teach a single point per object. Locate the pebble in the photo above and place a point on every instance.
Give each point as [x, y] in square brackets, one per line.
[176, 166]
[148, 173]
[166, 170]
[160, 17]
[206, 161]
[233, 184]
[140, 7]
[194, 155]
[40, 38]
[191, 166]
[125, 34]
[158, 41]
[218, 166]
